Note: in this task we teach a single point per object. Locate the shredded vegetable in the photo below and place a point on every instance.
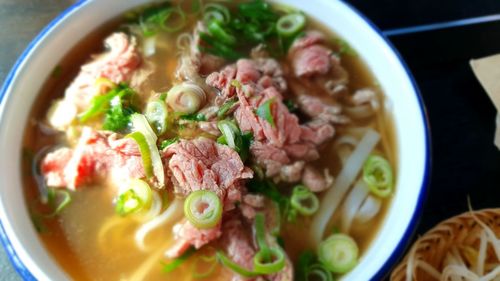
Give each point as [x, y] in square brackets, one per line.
[203, 209]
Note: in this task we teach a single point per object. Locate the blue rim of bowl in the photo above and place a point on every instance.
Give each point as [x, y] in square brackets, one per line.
[24, 272]
[397, 253]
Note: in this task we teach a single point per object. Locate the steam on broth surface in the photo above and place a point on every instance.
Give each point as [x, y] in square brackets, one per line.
[209, 140]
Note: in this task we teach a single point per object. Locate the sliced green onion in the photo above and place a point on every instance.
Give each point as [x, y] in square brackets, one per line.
[156, 113]
[173, 26]
[225, 108]
[203, 209]
[214, 11]
[57, 199]
[219, 33]
[338, 253]
[204, 261]
[140, 124]
[168, 142]
[377, 174]
[318, 272]
[227, 262]
[137, 196]
[265, 265]
[167, 268]
[290, 24]
[304, 201]
[145, 152]
[264, 111]
[260, 231]
[231, 133]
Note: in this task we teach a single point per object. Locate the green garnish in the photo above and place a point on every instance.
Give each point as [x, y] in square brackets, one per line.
[161, 17]
[58, 199]
[57, 71]
[345, 48]
[338, 253]
[157, 113]
[137, 196]
[291, 24]
[292, 107]
[307, 268]
[167, 268]
[203, 209]
[164, 144]
[227, 262]
[226, 107]
[197, 117]
[377, 174]
[304, 201]
[116, 104]
[141, 141]
[264, 111]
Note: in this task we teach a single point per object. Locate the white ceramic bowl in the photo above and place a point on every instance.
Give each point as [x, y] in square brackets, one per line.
[26, 78]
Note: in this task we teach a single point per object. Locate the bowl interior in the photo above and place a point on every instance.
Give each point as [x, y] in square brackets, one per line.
[33, 68]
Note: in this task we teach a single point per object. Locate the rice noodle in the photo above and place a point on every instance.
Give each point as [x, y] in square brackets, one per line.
[146, 266]
[360, 111]
[156, 205]
[172, 213]
[458, 271]
[183, 42]
[352, 204]
[149, 46]
[368, 210]
[346, 177]
[481, 257]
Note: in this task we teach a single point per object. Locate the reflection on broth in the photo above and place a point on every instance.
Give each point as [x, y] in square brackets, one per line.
[201, 143]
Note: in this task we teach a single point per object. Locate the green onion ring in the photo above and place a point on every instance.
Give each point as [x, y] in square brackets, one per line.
[338, 253]
[377, 174]
[203, 209]
[304, 201]
[211, 260]
[140, 139]
[179, 26]
[227, 262]
[265, 265]
[290, 24]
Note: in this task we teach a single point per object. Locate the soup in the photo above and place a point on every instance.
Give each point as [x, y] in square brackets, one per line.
[209, 140]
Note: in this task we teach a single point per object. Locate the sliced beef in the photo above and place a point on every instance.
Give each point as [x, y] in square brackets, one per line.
[237, 243]
[317, 132]
[203, 164]
[314, 180]
[317, 108]
[364, 96]
[315, 65]
[263, 72]
[117, 65]
[96, 156]
[187, 235]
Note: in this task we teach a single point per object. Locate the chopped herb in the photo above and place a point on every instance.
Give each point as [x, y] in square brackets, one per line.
[335, 229]
[57, 72]
[194, 117]
[167, 142]
[58, 199]
[235, 83]
[118, 117]
[264, 111]
[225, 108]
[100, 104]
[292, 106]
[163, 96]
[169, 267]
[38, 223]
[345, 48]
[246, 141]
